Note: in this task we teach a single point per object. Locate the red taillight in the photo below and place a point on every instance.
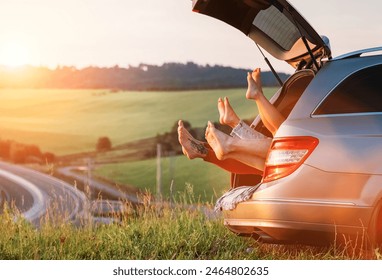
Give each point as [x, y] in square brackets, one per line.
[286, 155]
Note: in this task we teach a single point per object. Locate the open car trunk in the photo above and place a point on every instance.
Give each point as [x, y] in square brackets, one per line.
[274, 25]
[279, 29]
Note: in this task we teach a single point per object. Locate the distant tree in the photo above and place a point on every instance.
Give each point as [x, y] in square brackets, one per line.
[169, 76]
[103, 144]
[33, 150]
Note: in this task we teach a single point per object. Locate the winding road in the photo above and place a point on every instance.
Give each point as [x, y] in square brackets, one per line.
[37, 195]
[97, 185]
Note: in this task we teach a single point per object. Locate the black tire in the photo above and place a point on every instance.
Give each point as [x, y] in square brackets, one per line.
[375, 227]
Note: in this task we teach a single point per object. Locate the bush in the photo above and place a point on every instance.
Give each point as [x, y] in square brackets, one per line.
[103, 144]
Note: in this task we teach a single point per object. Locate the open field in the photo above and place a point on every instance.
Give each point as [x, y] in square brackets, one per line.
[70, 121]
[208, 181]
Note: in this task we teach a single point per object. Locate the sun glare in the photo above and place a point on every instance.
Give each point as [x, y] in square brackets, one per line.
[13, 55]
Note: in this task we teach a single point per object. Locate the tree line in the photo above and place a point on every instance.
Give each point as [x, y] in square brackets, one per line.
[24, 153]
[21, 153]
[169, 76]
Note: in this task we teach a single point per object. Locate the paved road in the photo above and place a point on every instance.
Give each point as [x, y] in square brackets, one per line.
[38, 195]
[96, 185]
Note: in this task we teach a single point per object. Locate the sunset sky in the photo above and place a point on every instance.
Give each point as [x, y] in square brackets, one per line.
[128, 32]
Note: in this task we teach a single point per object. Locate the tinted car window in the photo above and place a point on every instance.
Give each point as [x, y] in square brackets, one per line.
[277, 26]
[359, 93]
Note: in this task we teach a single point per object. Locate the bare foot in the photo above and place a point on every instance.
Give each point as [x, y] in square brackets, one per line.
[227, 115]
[230, 117]
[191, 147]
[218, 141]
[221, 110]
[255, 88]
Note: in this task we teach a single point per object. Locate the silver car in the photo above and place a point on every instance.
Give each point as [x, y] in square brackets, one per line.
[322, 181]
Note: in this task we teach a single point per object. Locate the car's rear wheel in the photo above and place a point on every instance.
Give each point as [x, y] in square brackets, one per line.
[375, 229]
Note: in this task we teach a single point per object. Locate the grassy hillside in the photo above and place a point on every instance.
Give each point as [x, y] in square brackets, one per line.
[68, 121]
[208, 181]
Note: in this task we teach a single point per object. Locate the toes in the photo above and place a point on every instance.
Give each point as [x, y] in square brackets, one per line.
[249, 77]
[256, 74]
[220, 104]
[209, 129]
[227, 104]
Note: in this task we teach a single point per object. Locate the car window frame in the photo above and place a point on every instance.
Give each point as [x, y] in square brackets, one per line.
[314, 112]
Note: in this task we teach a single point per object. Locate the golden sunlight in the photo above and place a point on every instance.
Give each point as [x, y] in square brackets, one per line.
[13, 54]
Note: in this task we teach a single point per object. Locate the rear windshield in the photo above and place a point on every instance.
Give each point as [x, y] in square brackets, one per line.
[253, 16]
[361, 92]
[278, 27]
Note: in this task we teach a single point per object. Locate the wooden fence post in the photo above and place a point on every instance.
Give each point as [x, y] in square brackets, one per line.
[159, 171]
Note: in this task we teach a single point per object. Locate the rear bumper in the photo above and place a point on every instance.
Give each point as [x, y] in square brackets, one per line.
[308, 206]
[299, 221]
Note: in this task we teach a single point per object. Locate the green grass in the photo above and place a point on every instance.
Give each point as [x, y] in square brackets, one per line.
[68, 121]
[148, 233]
[208, 181]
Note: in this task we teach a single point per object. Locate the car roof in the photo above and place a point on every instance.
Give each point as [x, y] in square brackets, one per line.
[359, 53]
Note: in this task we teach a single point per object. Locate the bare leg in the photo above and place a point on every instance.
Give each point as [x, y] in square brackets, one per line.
[191, 147]
[270, 116]
[249, 151]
